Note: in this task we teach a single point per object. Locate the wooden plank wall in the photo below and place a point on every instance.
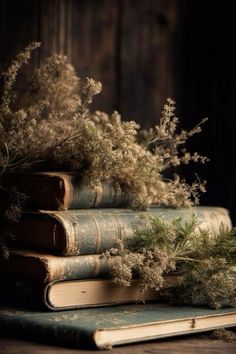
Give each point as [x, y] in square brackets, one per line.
[144, 52]
[129, 45]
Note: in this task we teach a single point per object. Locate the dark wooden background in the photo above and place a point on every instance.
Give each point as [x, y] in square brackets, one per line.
[144, 52]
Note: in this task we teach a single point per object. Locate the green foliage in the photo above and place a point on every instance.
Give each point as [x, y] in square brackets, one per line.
[223, 334]
[202, 260]
[50, 126]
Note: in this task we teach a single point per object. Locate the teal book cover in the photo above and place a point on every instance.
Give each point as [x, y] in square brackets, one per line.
[89, 231]
[106, 327]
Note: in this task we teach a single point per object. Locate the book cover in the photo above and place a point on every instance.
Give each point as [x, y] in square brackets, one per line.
[90, 231]
[65, 190]
[109, 326]
[46, 268]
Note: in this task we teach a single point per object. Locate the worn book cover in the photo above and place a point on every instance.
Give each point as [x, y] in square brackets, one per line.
[109, 326]
[92, 231]
[65, 190]
[45, 268]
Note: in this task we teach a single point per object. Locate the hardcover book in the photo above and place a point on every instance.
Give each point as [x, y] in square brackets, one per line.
[109, 326]
[65, 190]
[71, 294]
[46, 268]
[92, 231]
[57, 282]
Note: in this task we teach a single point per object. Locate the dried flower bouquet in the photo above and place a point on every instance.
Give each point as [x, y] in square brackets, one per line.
[51, 125]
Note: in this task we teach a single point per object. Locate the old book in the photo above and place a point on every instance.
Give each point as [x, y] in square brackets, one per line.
[105, 327]
[71, 294]
[64, 190]
[46, 268]
[90, 231]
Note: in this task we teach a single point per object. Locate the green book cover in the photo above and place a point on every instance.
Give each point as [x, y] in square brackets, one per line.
[59, 190]
[106, 327]
[92, 231]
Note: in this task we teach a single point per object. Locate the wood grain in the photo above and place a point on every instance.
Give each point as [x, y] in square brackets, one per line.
[18, 28]
[188, 345]
[147, 58]
[93, 53]
[54, 27]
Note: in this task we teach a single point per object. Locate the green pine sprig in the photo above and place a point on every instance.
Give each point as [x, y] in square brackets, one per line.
[204, 260]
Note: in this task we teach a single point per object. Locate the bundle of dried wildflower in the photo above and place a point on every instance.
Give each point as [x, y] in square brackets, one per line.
[51, 125]
[204, 261]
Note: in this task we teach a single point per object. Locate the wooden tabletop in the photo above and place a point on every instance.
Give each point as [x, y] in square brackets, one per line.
[187, 344]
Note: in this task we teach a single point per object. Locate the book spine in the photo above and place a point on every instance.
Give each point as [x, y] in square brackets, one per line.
[104, 195]
[75, 267]
[78, 232]
[89, 234]
[47, 268]
[61, 191]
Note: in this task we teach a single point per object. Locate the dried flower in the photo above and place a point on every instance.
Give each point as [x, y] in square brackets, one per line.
[202, 259]
[55, 111]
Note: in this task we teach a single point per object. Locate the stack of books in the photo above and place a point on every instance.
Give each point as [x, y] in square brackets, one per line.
[57, 263]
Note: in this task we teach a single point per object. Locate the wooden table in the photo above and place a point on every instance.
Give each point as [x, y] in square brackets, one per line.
[198, 344]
